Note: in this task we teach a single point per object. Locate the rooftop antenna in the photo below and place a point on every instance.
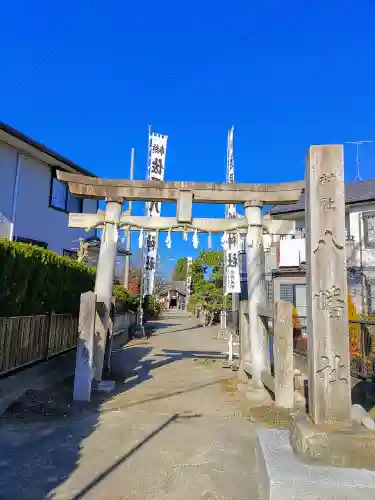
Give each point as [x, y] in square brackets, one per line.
[357, 162]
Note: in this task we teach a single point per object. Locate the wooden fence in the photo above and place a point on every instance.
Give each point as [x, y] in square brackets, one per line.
[27, 339]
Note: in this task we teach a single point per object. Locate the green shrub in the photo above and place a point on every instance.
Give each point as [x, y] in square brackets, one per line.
[125, 300]
[37, 281]
[151, 307]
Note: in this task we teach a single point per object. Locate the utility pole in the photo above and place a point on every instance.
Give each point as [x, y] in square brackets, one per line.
[358, 178]
[128, 238]
[357, 162]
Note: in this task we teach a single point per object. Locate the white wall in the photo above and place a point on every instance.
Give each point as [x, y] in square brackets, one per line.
[354, 228]
[359, 255]
[301, 223]
[8, 159]
[34, 218]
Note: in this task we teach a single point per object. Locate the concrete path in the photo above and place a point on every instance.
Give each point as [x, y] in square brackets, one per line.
[172, 431]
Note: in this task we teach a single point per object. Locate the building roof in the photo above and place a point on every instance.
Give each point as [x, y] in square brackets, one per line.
[282, 271]
[355, 192]
[95, 241]
[178, 286]
[24, 143]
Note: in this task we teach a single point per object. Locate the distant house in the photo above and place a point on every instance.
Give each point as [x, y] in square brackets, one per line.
[172, 295]
[34, 205]
[91, 256]
[286, 258]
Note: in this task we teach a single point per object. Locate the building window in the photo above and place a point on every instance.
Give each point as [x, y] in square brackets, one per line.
[72, 254]
[300, 300]
[62, 199]
[369, 229]
[287, 293]
[296, 295]
[269, 288]
[30, 241]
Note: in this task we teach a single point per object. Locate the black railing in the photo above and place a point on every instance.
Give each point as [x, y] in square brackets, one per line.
[362, 348]
[361, 345]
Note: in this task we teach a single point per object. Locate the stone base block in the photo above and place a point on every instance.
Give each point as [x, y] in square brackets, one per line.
[106, 386]
[235, 366]
[285, 477]
[257, 395]
[341, 445]
[227, 364]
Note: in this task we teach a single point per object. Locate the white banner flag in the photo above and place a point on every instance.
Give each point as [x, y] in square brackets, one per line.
[157, 153]
[231, 212]
[232, 269]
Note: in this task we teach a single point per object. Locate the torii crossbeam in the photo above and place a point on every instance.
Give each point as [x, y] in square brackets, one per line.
[202, 192]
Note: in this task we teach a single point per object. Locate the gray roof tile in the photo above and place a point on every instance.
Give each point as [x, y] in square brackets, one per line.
[355, 192]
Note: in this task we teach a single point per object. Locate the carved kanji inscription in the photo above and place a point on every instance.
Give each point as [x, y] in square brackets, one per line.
[331, 301]
[331, 370]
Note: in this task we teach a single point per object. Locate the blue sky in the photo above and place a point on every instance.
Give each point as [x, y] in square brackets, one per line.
[89, 85]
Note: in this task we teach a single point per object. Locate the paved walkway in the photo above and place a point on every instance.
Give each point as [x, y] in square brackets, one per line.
[171, 431]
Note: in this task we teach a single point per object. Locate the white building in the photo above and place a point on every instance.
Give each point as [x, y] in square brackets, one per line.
[34, 205]
[286, 259]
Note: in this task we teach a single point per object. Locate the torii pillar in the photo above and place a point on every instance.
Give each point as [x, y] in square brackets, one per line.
[104, 282]
[257, 393]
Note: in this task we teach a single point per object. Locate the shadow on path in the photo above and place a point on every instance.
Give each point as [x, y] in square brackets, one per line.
[98, 479]
[155, 326]
[195, 327]
[165, 395]
[41, 434]
[131, 366]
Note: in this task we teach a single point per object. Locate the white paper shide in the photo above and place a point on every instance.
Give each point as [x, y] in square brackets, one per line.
[157, 154]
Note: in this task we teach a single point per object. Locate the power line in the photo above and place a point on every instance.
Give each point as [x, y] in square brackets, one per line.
[214, 53]
[61, 42]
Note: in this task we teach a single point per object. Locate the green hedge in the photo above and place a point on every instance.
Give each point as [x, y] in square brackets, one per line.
[151, 307]
[125, 300]
[37, 281]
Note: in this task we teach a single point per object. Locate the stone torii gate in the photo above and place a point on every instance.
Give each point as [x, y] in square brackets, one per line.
[252, 196]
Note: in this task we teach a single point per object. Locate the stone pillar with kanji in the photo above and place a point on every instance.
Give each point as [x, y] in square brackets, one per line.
[327, 309]
[328, 436]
